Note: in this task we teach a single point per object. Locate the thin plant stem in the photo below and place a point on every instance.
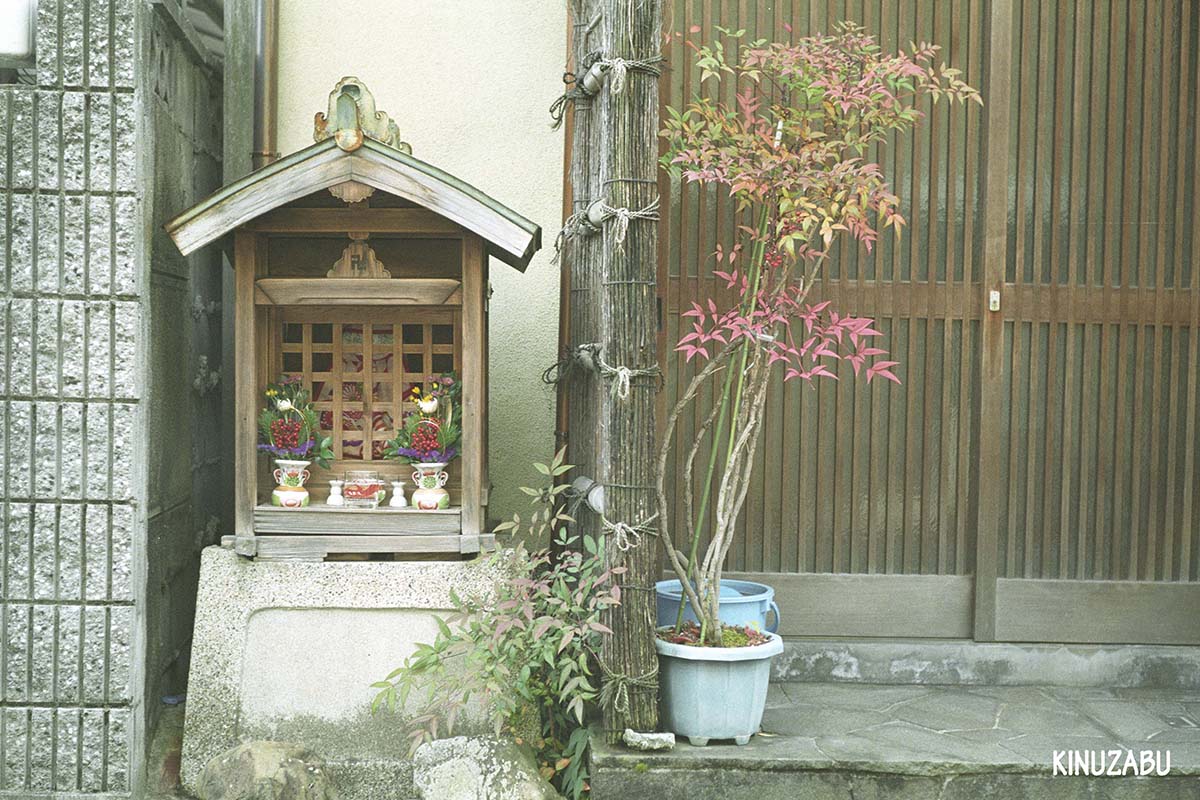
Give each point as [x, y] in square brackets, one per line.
[756, 260]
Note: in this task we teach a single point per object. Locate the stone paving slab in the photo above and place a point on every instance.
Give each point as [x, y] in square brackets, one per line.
[951, 662]
[839, 740]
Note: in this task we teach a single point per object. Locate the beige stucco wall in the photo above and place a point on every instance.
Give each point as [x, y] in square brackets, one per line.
[469, 83]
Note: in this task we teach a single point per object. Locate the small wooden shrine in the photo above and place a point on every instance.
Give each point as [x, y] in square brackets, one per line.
[361, 271]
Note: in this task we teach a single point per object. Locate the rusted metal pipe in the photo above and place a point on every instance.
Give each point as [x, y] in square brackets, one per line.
[266, 83]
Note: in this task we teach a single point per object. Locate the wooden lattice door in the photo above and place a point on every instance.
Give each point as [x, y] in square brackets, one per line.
[360, 363]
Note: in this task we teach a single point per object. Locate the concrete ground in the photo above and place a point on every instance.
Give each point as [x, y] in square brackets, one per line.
[834, 741]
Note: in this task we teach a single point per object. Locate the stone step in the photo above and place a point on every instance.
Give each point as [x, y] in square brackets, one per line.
[964, 662]
[840, 742]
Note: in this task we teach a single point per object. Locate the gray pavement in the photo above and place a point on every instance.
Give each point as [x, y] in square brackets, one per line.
[826, 740]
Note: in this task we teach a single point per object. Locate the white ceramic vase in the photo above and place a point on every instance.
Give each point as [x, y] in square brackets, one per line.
[430, 480]
[398, 499]
[290, 477]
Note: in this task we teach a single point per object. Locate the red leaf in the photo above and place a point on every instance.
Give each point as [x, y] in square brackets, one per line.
[882, 369]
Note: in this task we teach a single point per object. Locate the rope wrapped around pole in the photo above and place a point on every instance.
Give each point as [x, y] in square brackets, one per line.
[575, 224]
[620, 375]
[626, 536]
[614, 693]
[618, 70]
[624, 215]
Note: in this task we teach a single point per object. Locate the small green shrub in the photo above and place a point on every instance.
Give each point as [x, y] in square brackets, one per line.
[527, 650]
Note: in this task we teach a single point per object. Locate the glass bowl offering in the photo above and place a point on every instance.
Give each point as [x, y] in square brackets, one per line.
[363, 489]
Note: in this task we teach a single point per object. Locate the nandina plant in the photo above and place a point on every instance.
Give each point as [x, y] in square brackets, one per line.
[525, 651]
[792, 153]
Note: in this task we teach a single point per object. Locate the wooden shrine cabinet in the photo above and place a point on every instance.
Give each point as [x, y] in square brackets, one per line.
[362, 272]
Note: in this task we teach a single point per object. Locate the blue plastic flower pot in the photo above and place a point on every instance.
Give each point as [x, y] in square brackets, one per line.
[742, 603]
[714, 692]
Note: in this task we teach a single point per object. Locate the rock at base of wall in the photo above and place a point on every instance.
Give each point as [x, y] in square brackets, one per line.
[264, 770]
[648, 741]
[470, 768]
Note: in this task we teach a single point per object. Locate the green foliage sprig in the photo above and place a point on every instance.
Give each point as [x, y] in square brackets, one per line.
[526, 650]
[432, 431]
[288, 427]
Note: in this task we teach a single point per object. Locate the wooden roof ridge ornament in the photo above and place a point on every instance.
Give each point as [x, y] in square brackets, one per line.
[351, 118]
[358, 260]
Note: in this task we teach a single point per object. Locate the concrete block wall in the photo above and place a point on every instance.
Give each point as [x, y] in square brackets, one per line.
[78, 299]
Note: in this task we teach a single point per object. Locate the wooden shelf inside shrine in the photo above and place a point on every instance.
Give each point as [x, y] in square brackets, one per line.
[357, 291]
[383, 521]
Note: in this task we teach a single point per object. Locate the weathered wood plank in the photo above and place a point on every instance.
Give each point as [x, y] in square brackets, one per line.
[1031, 610]
[512, 238]
[316, 548]
[815, 604]
[354, 291]
[407, 221]
[320, 519]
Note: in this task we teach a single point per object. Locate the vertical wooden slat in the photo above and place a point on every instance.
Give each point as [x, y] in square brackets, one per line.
[338, 392]
[1060, 255]
[1131, 261]
[397, 376]
[969, 410]
[1191, 442]
[1165, 438]
[1031, 565]
[1076, 203]
[368, 390]
[1094, 227]
[1181, 19]
[947, 31]
[1151, 271]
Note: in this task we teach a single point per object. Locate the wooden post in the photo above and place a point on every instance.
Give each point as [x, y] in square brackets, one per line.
[581, 265]
[612, 289]
[474, 389]
[245, 428]
[995, 255]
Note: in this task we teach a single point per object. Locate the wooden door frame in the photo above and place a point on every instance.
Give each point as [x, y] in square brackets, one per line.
[995, 257]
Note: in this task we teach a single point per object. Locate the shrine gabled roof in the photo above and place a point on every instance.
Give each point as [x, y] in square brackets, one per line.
[510, 237]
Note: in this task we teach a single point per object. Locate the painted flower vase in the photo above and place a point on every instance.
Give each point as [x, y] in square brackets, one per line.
[398, 499]
[430, 494]
[290, 478]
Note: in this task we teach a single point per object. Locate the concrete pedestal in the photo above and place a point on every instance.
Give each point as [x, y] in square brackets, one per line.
[288, 651]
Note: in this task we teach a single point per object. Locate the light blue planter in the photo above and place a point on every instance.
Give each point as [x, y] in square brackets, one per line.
[742, 603]
[714, 692]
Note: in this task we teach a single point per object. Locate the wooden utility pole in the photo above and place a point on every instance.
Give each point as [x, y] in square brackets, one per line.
[611, 426]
